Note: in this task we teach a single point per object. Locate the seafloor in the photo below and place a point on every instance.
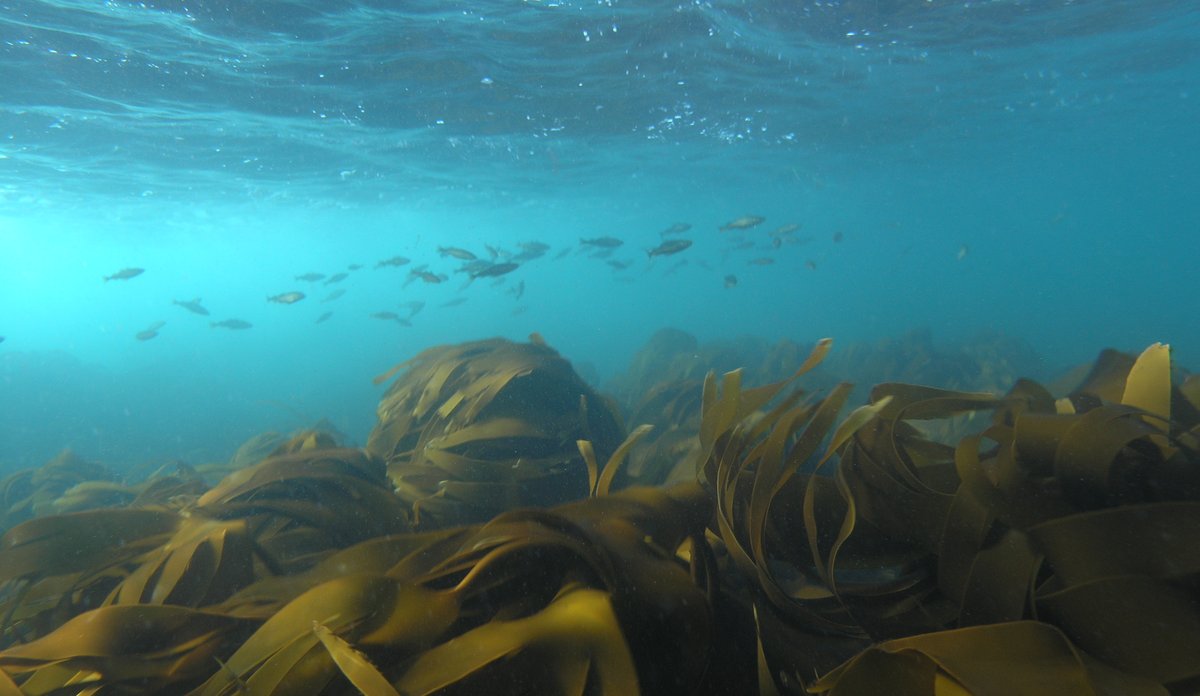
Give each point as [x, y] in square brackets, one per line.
[698, 529]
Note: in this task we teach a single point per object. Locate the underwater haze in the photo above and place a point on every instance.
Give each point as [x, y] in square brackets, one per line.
[1022, 167]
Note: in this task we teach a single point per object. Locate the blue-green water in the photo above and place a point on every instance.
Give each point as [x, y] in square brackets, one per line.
[1029, 167]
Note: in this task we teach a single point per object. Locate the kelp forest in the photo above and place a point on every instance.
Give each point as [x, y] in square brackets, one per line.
[707, 529]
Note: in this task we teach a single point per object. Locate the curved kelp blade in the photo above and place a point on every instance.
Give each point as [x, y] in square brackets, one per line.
[576, 642]
[1025, 657]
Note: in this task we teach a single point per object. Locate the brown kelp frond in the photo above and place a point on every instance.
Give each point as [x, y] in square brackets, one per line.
[138, 649]
[907, 536]
[1052, 547]
[308, 504]
[1022, 657]
[36, 492]
[53, 568]
[574, 589]
[471, 430]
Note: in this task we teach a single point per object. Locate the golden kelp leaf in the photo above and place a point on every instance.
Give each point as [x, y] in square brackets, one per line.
[1135, 623]
[76, 541]
[151, 648]
[1148, 384]
[576, 635]
[1149, 388]
[373, 608]
[204, 562]
[479, 433]
[91, 495]
[362, 674]
[1024, 657]
[851, 425]
[614, 462]
[8, 687]
[589, 458]
[1159, 540]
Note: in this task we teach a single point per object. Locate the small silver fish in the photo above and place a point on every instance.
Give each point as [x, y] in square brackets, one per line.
[496, 269]
[287, 298]
[310, 277]
[323, 317]
[234, 324]
[455, 252]
[395, 261]
[337, 278]
[743, 223]
[677, 228]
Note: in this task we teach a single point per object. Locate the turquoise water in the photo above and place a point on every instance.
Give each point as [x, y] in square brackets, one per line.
[1028, 167]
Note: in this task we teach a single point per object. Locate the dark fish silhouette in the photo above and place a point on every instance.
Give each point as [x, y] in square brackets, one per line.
[323, 317]
[396, 261]
[672, 246]
[150, 331]
[125, 274]
[337, 278]
[495, 269]
[335, 294]
[731, 281]
[391, 316]
[310, 277]
[234, 324]
[677, 228]
[426, 276]
[192, 306]
[602, 242]
[413, 307]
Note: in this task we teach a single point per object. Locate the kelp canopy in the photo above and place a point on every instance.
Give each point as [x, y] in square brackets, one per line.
[1054, 550]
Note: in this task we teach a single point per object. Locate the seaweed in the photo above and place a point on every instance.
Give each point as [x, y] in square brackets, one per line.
[800, 546]
[471, 430]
